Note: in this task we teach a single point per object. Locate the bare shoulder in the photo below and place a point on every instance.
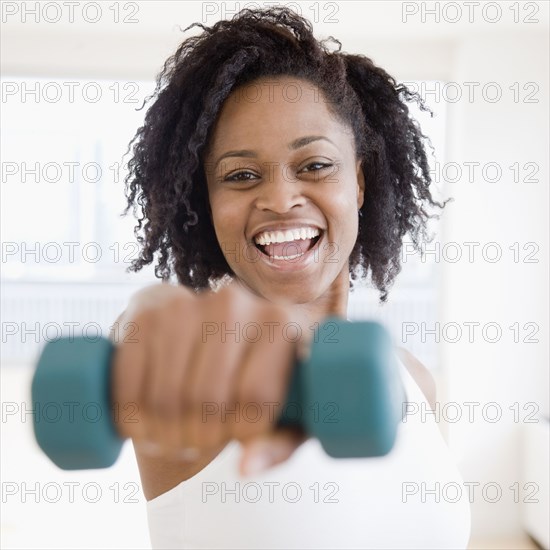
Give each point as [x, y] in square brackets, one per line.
[421, 375]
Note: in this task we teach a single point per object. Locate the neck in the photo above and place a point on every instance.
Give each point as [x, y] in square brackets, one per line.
[332, 303]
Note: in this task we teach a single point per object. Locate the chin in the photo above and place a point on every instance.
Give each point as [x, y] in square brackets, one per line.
[287, 293]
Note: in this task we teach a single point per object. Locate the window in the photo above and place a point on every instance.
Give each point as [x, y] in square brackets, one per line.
[65, 247]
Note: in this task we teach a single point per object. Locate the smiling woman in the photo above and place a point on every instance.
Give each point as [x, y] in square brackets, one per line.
[261, 65]
[287, 171]
[292, 182]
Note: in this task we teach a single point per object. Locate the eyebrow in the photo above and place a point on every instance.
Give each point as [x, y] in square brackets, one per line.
[293, 145]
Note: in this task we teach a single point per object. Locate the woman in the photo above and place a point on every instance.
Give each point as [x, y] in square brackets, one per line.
[271, 173]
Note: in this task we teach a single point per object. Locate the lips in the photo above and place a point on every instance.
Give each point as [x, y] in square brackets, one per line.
[286, 240]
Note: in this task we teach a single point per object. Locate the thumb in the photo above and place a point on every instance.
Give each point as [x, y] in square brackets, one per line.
[267, 450]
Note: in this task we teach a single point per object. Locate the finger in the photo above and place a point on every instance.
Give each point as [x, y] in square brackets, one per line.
[172, 350]
[128, 373]
[212, 377]
[217, 356]
[268, 450]
[263, 382]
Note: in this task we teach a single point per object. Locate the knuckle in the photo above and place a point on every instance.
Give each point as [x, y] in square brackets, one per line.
[181, 302]
[157, 298]
[142, 322]
[254, 394]
[228, 299]
[277, 313]
[164, 402]
[191, 404]
[234, 297]
[210, 400]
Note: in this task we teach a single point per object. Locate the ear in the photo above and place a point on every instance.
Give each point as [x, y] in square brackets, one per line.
[360, 184]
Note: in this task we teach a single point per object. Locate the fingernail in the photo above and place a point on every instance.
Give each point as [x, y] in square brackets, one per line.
[257, 463]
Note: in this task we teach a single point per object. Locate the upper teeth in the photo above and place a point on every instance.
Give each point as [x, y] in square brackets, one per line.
[268, 237]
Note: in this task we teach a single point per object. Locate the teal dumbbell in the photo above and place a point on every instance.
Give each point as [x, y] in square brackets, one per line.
[348, 394]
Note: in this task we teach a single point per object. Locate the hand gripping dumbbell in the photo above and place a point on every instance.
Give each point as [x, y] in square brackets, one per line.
[348, 394]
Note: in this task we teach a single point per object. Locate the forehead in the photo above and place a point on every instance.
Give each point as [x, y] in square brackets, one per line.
[274, 110]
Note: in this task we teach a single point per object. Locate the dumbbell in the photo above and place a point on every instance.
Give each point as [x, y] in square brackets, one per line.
[348, 394]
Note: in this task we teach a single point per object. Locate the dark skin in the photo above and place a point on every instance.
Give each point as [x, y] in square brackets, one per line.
[291, 164]
[312, 180]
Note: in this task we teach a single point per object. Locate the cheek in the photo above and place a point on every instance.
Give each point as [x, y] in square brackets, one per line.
[227, 215]
[342, 208]
[342, 204]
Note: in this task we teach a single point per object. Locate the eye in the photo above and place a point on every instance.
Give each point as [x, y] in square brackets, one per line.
[240, 176]
[316, 166]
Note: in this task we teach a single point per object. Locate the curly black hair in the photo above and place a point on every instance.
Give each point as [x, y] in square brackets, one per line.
[166, 177]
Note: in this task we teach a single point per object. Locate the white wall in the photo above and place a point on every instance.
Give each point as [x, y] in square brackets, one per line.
[504, 292]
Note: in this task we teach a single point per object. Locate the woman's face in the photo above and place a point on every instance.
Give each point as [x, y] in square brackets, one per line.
[285, 188]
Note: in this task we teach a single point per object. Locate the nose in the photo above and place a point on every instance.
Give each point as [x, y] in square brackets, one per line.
[280, 191]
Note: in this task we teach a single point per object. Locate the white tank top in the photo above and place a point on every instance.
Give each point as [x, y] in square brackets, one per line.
[405, 500]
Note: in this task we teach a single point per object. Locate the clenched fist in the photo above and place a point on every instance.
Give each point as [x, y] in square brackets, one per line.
[202, 369]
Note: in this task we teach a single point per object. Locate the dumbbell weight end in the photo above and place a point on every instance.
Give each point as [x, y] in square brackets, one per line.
[72, 380]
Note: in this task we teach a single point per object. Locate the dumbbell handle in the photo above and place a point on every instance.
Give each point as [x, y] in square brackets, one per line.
[357, 381]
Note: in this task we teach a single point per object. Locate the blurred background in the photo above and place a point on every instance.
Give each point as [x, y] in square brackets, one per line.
[473, 308]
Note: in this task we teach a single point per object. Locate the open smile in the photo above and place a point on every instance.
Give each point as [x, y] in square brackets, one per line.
[290, 254]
